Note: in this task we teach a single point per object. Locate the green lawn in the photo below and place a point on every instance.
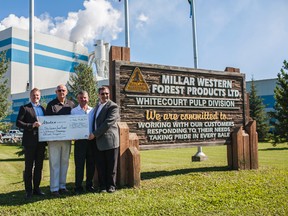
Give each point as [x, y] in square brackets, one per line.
[170, 185]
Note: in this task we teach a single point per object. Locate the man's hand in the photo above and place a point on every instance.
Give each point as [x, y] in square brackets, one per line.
[91, 136]
[36, 124]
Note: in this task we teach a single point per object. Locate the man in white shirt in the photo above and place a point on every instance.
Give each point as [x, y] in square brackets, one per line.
[83, 149]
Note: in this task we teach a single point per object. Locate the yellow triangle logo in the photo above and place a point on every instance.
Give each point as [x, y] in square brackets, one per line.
[137, 82]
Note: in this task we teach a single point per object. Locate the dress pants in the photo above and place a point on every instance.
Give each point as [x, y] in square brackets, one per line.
[34, 156]
[84, 152]
[59, 152]
[106, 163]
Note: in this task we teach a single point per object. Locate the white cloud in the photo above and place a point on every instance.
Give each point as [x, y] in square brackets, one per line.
[157, 11]
[142, 20]
[13, 20]
[62, 26]
[98, 20]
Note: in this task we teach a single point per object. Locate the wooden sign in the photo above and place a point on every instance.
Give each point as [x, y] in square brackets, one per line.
[173, 106]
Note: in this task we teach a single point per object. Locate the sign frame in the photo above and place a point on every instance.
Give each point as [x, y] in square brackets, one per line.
[151, 73]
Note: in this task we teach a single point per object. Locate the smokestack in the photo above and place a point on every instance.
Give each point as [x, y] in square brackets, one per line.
[101, 58]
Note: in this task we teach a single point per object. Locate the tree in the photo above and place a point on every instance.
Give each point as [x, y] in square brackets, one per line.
[258, 113]
[5, 104]
[281, 106]
[83, 79]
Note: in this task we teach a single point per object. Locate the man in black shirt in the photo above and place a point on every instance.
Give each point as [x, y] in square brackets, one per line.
[59, 151]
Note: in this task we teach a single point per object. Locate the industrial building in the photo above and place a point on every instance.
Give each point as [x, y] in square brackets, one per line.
[265, 89]
[54, 62]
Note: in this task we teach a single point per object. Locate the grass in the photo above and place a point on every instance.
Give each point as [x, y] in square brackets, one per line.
[170, 185]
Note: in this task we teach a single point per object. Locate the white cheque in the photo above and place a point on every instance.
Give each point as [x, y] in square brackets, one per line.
[63, 127]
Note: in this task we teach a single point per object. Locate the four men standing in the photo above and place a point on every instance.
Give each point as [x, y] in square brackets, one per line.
[102, 146]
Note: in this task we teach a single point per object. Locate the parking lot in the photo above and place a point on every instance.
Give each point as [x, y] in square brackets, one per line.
[13, 136]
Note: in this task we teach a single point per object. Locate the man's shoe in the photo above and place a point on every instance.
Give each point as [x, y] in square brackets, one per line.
[78, 190]
[28, 195]
[38, 192]
[102, 190]
[111, 190]
[55, 193]
[63, 191]
[90, 190]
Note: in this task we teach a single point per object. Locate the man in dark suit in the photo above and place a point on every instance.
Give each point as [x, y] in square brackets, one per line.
[104, 119]
[34, 150]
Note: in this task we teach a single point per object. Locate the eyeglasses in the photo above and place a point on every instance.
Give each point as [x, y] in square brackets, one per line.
[104, 93]
[61, 90]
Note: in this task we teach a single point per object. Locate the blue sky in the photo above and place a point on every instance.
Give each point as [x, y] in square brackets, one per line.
[248, 34]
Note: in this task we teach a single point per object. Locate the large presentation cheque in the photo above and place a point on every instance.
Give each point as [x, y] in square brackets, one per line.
[63, 127]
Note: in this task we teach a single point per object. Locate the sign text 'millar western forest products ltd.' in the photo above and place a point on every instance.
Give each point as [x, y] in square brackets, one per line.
[166, 105]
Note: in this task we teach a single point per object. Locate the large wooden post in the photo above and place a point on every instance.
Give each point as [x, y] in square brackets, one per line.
[116, 53]
[133, 159]
[124, 145]
[239, 147]
[129, 158]
[253, 141]
[243, 151]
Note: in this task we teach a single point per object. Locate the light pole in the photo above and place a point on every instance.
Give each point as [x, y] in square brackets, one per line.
[127, 36]
[194, 34]
[199, 156]
[31, 45]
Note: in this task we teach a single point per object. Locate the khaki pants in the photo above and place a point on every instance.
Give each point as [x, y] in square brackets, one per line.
[59, 153]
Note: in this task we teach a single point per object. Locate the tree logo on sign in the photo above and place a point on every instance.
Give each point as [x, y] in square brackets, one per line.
[137, 83]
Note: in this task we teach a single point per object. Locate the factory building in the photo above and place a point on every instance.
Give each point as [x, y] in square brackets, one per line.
[54, 62]
[265, 89]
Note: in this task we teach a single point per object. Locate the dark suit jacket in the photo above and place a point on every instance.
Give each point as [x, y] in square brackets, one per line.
[107, 135]
[25, 119]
